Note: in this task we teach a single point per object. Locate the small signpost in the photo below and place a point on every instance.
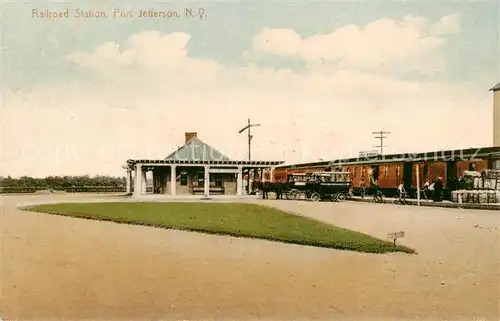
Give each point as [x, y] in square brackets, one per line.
[396, 235]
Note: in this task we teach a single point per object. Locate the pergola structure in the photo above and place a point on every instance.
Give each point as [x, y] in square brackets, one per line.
[194, 168]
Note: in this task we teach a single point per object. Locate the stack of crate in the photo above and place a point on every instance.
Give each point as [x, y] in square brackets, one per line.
[485, 189]
[476, 196]
[490, 180]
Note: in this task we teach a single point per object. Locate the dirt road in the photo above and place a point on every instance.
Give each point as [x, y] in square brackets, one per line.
[62, 268]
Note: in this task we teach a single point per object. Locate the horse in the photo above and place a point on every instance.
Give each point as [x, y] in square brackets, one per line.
[261, 186]
[267, 187]
[276, 187]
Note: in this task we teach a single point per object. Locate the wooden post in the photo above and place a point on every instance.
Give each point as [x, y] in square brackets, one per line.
[417, 172]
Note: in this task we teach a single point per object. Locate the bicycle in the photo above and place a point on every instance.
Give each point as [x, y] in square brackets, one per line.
[378, 197]
[401, 200]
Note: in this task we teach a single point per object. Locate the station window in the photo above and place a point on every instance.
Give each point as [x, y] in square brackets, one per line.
[184, 179]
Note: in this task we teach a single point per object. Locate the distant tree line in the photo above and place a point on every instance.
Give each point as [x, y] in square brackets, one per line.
[70, 184]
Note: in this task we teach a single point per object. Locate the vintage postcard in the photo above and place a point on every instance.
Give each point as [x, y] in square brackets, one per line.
[250, 160]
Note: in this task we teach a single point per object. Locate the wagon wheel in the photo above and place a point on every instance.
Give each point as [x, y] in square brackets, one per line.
[292, 194]
[315, 197]
[340, 196]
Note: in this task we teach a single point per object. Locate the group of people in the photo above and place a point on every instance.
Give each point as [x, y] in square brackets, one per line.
[434, 188]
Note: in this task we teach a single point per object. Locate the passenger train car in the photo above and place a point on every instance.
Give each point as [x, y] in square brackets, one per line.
[390, 170]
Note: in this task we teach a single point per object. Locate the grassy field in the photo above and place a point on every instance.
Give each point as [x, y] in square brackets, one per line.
[241, 220]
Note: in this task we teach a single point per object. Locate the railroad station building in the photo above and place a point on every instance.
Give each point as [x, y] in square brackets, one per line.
[195, 168]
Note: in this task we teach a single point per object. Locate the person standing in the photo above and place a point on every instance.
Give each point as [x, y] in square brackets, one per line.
[362, 187]
[402, 191]
[377, 194]
[438, 188]
[426, 189]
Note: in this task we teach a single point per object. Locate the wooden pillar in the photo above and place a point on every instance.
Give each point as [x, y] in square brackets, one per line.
[144, 182]
[129, 181]
[173, 180]
[418, 184]
[155, 183]
[138, 180]
[239, 181]
[206, 184]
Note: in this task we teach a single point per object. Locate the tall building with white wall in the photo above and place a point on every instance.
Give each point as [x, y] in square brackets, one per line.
[496, 114]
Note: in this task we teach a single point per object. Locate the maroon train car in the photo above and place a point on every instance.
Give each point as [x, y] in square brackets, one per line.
[390, 170]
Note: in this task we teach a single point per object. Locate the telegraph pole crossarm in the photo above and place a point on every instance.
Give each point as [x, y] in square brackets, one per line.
[250, 137]
[381, 137]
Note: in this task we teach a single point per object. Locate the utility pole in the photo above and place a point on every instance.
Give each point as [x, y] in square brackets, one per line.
[380, 135]
[250, 137]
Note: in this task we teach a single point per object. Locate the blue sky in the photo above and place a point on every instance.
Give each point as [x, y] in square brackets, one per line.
[233, 70]
[34, 49]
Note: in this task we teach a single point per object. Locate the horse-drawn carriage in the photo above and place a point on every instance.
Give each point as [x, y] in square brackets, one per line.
[296, 185]
[332, 186]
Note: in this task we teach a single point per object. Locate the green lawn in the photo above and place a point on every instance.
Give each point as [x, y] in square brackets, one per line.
[243, 220]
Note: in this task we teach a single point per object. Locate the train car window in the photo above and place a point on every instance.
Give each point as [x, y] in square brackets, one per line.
[398, 169]
[426, 171]
[386, 171]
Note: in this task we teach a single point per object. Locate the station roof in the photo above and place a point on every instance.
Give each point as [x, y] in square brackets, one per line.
[458, 154]
[202, 162]
[496, 87]
[197, 152]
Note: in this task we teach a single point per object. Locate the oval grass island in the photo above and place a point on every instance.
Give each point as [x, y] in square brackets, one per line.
[234, 219]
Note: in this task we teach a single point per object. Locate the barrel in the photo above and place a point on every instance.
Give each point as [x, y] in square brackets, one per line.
[476, 196]
[476, 182]
[492, 197]
[465, 196]
[483, 197]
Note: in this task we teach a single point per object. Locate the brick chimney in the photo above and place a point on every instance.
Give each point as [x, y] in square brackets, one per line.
[190, 136]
